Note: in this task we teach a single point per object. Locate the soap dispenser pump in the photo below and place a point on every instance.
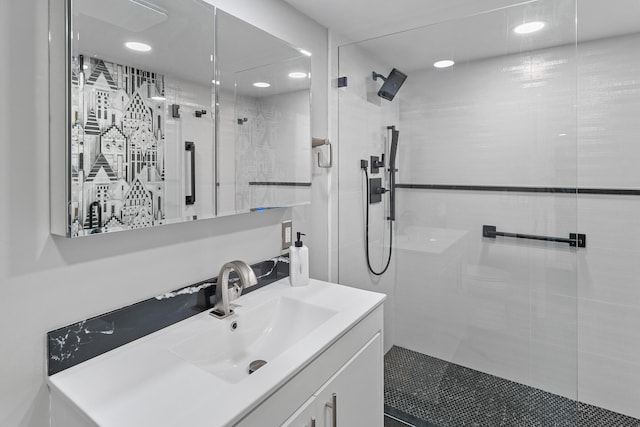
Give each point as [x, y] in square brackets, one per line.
[299, 263]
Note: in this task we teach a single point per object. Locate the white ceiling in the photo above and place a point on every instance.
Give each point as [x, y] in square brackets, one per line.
[181, 37]
[181, 34]
[358, 20]
[480, 36]
[247, 54]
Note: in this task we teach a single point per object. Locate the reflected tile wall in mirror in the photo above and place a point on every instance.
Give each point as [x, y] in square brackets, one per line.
[264, 136]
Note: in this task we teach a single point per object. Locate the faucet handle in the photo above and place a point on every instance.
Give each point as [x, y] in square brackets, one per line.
[226, 291]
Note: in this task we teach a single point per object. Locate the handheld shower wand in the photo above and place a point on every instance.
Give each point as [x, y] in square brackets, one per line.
[393, 149]
[395, 134]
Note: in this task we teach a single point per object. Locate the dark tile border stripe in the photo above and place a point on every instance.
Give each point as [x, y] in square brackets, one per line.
[609, 191]
[76, 343]
[561, 190]
[281, 183]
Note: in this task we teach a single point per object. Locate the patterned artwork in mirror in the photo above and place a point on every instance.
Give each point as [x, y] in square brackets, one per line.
[117, 147]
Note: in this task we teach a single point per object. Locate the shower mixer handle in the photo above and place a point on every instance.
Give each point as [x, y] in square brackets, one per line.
[377, 163]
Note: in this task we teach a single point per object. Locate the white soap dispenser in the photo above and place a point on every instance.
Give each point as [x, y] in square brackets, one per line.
[299, 263]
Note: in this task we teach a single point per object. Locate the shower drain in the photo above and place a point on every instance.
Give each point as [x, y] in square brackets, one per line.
[255, 365]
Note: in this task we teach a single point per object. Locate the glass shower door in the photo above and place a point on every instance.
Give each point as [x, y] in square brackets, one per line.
[481, 319]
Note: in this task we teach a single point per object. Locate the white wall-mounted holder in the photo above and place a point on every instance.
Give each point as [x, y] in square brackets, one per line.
[318, 142]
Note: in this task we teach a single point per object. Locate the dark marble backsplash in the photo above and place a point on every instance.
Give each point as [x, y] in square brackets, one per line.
[83, 340]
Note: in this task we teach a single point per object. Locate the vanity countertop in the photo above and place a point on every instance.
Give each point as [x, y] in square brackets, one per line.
[147, 383]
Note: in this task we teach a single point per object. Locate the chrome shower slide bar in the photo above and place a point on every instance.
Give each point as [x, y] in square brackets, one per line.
[574, 240]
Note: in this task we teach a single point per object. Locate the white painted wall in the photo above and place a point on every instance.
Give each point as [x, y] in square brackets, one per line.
[47, 282]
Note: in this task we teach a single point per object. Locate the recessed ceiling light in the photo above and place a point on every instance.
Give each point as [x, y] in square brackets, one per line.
[444, 63]
[529, 27]
[298, 75]
[158, 98]
[215, 82]
[138, 46]
[304, 52]
[261, 84]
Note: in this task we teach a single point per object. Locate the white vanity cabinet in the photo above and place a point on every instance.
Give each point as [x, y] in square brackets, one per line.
[352, 397]
[348, 376]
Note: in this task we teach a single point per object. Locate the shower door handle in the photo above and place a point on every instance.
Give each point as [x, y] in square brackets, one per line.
[190, 199]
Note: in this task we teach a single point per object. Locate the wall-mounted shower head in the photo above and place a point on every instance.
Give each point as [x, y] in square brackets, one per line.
[391, 84]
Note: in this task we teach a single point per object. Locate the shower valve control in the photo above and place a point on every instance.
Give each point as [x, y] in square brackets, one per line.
[376, 190]
[377, 163]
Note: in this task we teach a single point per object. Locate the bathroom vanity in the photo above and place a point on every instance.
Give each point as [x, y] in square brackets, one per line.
[324, 362]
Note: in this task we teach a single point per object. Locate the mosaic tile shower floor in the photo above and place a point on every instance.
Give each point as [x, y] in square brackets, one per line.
[428, 392]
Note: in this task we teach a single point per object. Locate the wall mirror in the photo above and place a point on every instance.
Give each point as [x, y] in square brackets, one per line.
[155, 118]
[264, 119]
[139, 124]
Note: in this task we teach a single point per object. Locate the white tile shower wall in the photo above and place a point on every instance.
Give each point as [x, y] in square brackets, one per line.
[47, 282]
[609, 291]
[489, 305]
[362, 128]
[608, 111]
[609, 302]
[520, 309]
[503, 121]
[273, 145]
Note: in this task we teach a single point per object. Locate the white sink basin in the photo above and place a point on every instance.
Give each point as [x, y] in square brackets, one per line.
[166, 378]
[260, 333]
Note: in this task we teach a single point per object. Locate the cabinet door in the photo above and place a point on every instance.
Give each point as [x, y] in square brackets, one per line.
[305, 416]
[355, 392]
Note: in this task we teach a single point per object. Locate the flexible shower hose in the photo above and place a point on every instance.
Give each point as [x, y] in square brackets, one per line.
[366, 246]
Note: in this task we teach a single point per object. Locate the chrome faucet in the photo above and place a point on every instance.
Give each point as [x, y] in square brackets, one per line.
[227, 292]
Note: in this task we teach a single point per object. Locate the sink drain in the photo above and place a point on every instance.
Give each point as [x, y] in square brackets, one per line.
[255, 365]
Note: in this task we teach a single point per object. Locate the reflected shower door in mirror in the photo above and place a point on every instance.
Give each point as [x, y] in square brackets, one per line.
[142, 134]
[264, 126]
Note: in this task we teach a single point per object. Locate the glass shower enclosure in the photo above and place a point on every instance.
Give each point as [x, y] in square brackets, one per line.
[481, 317]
